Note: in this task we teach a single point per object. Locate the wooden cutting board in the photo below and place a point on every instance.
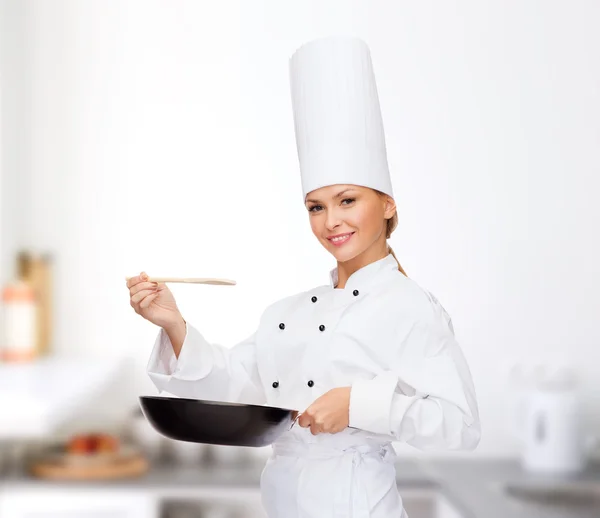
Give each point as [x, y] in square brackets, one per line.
[115, 468]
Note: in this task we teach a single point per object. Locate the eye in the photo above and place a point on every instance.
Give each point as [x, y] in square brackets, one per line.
[312, 209]
[349, 200]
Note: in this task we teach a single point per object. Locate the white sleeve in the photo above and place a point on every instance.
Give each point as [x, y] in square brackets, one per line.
[206, 371]
[426, 398]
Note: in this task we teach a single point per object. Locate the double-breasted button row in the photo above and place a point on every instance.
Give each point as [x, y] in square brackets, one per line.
[310, 383]
[313, 299]
[321, 327]
[355, 293]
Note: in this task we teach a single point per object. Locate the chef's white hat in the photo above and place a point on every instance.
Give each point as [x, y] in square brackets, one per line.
[337, 118]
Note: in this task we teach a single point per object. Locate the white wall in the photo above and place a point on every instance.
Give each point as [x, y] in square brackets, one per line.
[14, 105]
[161, 138]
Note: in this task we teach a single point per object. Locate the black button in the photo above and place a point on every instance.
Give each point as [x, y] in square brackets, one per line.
[355, 293]
[275, 384]
[314, 299]
[282, 326]
[310, 383]
[321, 327]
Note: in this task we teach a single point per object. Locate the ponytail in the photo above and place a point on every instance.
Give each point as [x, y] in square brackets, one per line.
[392, 223]
[399, 265]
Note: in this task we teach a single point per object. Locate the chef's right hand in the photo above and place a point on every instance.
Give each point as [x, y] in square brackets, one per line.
[154, 301]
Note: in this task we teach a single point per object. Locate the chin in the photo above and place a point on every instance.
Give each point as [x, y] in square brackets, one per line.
[343, 254]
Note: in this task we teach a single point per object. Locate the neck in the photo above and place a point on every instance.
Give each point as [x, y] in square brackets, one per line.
[374, 253]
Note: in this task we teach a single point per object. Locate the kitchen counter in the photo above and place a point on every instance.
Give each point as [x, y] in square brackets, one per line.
[474, 487]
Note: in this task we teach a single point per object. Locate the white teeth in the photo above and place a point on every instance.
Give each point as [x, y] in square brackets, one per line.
[342, 238]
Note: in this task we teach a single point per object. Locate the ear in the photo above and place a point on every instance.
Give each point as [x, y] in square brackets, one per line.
[389, 207]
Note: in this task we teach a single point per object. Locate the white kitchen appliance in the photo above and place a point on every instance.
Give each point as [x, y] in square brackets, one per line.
[549, 423]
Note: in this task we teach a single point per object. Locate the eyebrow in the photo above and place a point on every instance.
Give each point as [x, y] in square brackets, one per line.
[338, 195]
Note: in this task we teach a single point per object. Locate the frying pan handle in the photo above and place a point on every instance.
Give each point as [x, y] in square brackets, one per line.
[296, 415]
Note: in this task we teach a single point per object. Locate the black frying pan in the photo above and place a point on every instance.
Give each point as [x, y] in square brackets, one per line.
[216, 422]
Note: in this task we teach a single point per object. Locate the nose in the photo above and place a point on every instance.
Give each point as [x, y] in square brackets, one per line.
[333, 219]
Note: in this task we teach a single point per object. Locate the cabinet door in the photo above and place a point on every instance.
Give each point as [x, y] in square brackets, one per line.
[75, 503]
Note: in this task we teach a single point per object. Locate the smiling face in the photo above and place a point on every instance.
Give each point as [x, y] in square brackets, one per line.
[349, 220]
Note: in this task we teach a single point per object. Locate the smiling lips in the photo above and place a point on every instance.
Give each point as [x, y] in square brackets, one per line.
[340, 239]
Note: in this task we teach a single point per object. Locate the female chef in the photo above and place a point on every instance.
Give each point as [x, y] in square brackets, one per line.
[368, 359]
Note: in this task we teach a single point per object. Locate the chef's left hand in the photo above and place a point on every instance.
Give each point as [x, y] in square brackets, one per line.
[329, 413]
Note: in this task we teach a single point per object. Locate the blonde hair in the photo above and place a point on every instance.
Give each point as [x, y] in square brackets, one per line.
[391, 225]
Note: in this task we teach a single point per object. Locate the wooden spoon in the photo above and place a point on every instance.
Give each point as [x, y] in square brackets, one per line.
[192, 280]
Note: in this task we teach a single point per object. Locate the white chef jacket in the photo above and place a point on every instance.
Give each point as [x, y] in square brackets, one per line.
[384, 336]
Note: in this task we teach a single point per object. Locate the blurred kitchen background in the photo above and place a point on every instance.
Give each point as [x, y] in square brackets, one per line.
[158, 136]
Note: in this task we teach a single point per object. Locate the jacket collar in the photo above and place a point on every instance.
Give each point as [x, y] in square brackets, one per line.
[366, 274]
